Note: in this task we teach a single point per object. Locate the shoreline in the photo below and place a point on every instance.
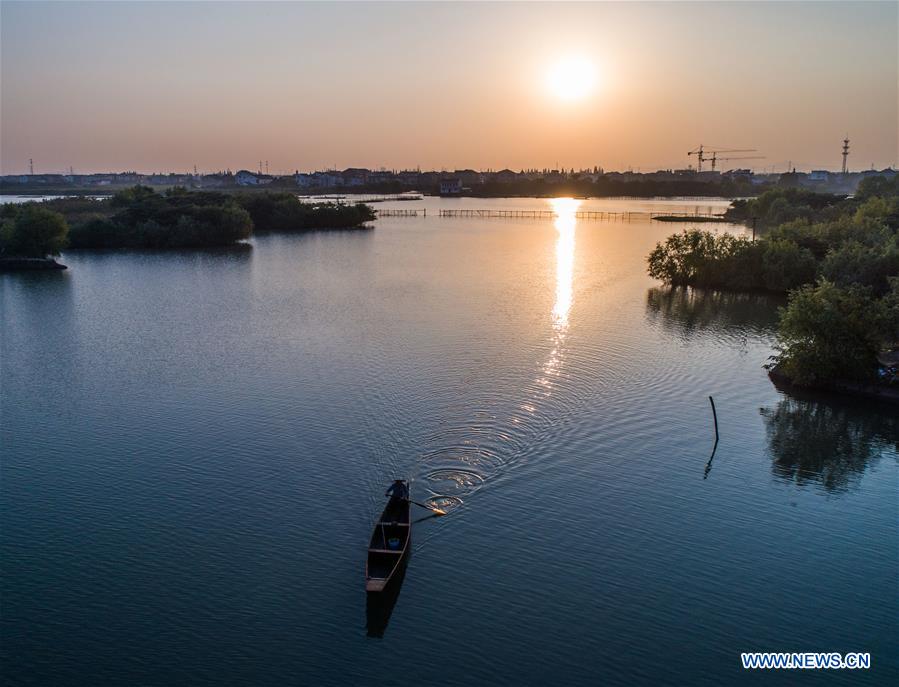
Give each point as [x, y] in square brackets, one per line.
[562, 191]
[871, 392]
[30, 265]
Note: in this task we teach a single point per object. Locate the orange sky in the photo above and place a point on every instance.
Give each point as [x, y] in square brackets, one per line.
[165, 86]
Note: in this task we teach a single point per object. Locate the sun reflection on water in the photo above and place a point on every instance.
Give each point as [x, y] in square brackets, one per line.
[467, 467]
[566, 219]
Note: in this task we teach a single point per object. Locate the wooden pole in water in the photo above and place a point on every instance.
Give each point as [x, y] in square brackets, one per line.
[708, 465]
[715, 417]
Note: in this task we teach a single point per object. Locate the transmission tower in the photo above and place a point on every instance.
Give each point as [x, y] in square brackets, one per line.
[845, 153]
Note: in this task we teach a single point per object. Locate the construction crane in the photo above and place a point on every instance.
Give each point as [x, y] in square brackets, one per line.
[702, 152]
[715, 159]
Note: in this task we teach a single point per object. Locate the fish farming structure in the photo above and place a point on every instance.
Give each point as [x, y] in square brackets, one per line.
[403, 197]
[690, 217]
[392, 212]
[596, 215]
[542, 214]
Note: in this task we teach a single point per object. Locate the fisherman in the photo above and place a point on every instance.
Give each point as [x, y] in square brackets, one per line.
[398, 490]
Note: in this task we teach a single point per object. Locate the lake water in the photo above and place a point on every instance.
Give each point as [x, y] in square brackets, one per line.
[195, 446]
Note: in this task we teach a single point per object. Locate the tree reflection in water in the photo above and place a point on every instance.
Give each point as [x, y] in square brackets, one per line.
[688, 311]
[826, 441]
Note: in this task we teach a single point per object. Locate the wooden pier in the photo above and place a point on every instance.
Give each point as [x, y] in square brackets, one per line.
[596, 215]
[402, 213]
[372, 199]
[591, 215]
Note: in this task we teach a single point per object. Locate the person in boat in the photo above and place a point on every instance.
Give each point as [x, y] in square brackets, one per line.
[398, 490]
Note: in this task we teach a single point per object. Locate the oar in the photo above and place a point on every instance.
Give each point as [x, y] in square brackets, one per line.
[436, 510]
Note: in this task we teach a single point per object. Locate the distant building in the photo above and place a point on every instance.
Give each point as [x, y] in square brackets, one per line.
[354, 176]
[246, 178]
[738, 174]
[450, 187]
[469, 177]
[819, 175]
[381, 176]
[409, 178]
[304, 180]
[327, 179]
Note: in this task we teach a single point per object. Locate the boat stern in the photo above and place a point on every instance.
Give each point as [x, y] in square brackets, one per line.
[375, 584]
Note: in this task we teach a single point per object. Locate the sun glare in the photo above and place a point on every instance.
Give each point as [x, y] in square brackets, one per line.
[571, 78]
[566, 220]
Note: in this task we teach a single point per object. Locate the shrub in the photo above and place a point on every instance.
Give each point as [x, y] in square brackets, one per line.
[828, 332]
[785, 265]
[141, 218]
[856, 263]
[284, 212]
[32, 231]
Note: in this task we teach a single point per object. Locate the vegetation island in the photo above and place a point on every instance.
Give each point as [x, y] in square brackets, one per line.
[836, 257]
[142, 218]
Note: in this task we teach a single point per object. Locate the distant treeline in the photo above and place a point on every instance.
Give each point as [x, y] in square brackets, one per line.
[837, 257]
[562, 185]
[607, 187]
[141, 218]
[788, 204]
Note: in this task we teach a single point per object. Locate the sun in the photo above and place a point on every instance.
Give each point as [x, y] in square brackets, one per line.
[571, 78]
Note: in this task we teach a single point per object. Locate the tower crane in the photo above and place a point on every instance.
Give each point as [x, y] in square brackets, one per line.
[702, 152]
[715, 159]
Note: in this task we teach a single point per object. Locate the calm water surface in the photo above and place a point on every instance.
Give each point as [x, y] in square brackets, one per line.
[194, 447]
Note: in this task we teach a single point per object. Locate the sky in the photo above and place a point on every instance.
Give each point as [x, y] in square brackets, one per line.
[153, 86]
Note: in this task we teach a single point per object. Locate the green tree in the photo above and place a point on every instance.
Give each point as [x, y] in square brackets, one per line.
[878, 186]
[682, 258]
[785, 265]
[130, 196]
[32, 231]
[868, 265]
[827, 332]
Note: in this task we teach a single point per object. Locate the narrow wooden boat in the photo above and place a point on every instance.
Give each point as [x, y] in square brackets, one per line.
[389, 546]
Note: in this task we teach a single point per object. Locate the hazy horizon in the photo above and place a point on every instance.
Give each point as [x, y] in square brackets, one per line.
[166, 86]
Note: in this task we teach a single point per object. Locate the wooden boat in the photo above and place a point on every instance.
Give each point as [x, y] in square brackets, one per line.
[389, 546]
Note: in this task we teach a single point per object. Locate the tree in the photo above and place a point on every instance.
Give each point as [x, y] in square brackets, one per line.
[786, 265]
[856, 263]
[831, 333]
[682, 258]
[32, 231]
[878, 186]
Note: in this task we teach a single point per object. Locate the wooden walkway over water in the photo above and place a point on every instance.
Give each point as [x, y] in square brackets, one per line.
[423, 212]
[594, 215]
[372, 199]
[543, 214]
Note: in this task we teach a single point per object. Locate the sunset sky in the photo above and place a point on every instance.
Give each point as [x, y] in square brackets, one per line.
[166, 85]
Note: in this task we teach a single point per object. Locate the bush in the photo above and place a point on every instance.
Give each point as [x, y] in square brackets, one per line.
[781, 205]
[284, 212]
[701, 258]
[828, 332]
[139, 217]
[95, 232]
[785, 265]
[31, 231]
[857, 263]
[684, 259]
[878, 186]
